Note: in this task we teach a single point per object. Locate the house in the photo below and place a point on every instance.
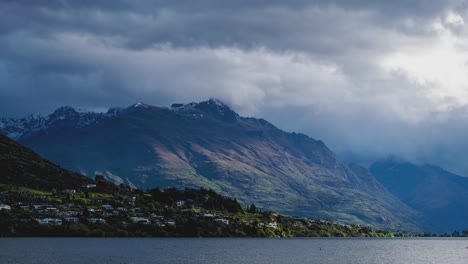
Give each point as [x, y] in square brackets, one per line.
[13, 192]
[155, 216]
[68, 191]
[67, 214]
[297, 224]
[62, 214]
[108, 207]
[66, 206]
[160, 223]
[140, 220]
[222, 221]
[73, 213]
[130, 199]
[51, 209]
[49, 221]
[39, 206]
[89, 186]
[96, 221]
[4, 207]
[72, 220]
[272, 225]
[180, 203]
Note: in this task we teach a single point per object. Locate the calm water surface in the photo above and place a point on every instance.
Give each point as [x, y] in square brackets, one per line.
[206, 250]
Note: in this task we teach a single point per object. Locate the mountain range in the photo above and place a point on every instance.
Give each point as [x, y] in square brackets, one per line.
[208, 145]
[63, 118]
[440, 195]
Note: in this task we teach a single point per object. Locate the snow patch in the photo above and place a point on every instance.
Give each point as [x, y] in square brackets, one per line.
[141, 105]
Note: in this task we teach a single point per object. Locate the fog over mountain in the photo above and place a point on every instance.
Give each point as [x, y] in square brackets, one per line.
[370, 78]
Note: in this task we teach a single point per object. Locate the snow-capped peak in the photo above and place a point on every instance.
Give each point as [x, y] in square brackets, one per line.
[213, 107]
[140, 105]
[65, 117]
[217, 102]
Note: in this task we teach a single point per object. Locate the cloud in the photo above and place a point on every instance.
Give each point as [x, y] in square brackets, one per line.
[370, 78]
[91, 67]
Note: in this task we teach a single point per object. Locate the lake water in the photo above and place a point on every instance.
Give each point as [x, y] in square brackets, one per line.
[231, 250]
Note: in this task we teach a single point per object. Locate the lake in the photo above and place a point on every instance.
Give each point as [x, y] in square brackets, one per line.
[232, 250]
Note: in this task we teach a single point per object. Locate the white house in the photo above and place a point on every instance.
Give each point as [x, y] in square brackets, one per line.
[222, 221]
[272, 225]
[4, 207]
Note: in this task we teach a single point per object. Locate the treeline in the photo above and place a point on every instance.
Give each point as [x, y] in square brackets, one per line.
[456, 233]
[189, 226]
[207, 199]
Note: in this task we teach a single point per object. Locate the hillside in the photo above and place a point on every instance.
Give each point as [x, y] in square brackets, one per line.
[125, 212]
[442, 196]
[19, 166]
[209, 145]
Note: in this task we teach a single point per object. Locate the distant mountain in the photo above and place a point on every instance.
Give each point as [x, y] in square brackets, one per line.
[61, 119]
[441, 195]
[207, 144]
[20, 166]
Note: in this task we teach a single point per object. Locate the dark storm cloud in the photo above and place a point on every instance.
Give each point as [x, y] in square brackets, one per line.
[277, 24]
[360, 75]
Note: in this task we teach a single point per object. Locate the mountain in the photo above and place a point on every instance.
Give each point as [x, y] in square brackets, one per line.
[208, 145]
[442, 196]
[61, 119]
[20, 166]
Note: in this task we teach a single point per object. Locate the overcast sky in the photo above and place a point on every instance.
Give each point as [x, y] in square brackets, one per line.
[370, 78]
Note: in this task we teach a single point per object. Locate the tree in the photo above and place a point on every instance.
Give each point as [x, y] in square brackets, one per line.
[465, 233]
[252, 209]
[86, 213]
